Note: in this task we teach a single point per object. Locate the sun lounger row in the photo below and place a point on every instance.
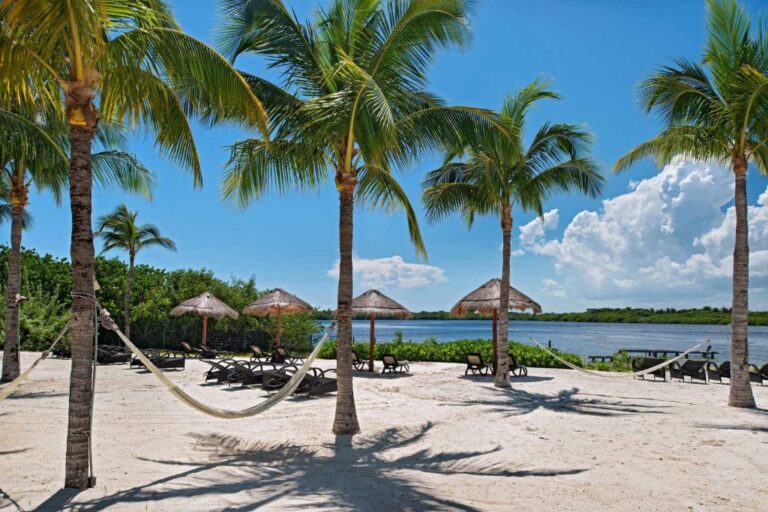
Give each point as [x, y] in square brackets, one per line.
[697, 369]
[269, 376]
[111, 354]
[390, 364]
[477, 366]
[203, 352]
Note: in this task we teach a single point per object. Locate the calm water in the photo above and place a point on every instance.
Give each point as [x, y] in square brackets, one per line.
[580, 338]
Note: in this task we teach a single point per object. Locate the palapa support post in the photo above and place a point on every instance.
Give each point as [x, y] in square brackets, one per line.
[372, 343]
[205, 331]
[495, 341]
[277, 335]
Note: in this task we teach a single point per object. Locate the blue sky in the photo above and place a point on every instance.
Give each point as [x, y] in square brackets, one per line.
[596, 52]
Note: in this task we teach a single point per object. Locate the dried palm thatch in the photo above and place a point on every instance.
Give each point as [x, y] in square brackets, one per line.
[207, 306]
[374, 303]
[485, 300]
[277, 302]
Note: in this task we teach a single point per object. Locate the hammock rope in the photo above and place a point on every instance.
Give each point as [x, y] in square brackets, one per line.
[604, 375]
[15, 383]
[108, 323]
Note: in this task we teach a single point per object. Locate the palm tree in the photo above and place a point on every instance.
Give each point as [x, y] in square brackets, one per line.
[351, 105]
[34, 153]
[496, 177]
[718, 110]
[118, 61]
[120, 231]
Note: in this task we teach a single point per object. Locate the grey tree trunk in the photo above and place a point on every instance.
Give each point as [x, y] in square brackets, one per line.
[740, 389]
[502, 361]
[11, 365]
[127, 297]
[345, 421]
[82, 253]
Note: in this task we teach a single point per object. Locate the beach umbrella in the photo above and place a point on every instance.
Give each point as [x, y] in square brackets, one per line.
[277, 302]
[485, 300]
[373, 304]
[206, 306]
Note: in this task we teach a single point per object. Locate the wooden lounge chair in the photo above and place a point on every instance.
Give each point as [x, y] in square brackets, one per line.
[476, 365]
[392, 365]
[282, 356]
[357, 363]
[259, 355]
[517, 370]
[109, 354]
[644, 363]
[695, 369]
[190, 351]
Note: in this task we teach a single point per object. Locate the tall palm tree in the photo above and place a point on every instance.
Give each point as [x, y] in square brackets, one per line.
[118, 61]
[496, 177]
[120, 231]
[718, 110]
[352, 105]
[34, 153]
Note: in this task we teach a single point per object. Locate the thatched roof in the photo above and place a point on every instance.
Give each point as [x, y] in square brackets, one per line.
[373, 302]
[206, 305]
[277, 299]
[486, 299]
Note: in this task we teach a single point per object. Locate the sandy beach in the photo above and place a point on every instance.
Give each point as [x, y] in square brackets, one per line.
[558, 440]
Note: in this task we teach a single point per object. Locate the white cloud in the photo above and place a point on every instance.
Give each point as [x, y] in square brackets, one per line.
[393, 271]
[667, 240]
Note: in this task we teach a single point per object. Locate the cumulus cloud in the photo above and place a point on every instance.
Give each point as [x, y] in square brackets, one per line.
[668, 238]
[392, 271]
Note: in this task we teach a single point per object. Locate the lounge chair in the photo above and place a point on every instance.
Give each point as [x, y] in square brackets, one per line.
[163, 359]
[724, 372]
[282, 356]
[109, 354]
[314, 383]
[476, 365]
[212, 353]
[695, 369]
[764, 373]
[392, 365]
[644, 363]
[259, 355]
[517, 370]
[357, 363]
[190, 351]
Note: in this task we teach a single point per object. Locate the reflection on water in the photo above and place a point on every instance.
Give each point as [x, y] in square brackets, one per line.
[580, 338]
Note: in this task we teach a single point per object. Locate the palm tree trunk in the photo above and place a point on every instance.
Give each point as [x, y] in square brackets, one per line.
[740, 390]
[11, 365]
[502, 346]
[80, 386]
[127, 298]
[345, 421]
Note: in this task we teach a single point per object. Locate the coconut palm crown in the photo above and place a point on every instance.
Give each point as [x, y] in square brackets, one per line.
[352, 107]
[504, 174]
[717, 109]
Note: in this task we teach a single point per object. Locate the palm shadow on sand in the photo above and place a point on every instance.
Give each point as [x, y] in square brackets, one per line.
[369, 473]
[518, 402]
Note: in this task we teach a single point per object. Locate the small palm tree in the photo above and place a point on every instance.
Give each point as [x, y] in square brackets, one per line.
[33, 153]
[125, 62]
[351, 107]
[119, 231]
[718, 110]
[497, 177]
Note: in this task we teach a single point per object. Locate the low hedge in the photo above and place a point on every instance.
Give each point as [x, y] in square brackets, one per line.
[453, 352]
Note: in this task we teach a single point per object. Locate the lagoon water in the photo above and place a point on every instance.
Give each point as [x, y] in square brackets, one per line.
[580, 338]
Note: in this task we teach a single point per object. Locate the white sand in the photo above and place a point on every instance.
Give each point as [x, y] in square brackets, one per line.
[558, 440]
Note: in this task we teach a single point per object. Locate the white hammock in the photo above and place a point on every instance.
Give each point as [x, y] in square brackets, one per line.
[619, 375]
[15, 383]
[285, 391]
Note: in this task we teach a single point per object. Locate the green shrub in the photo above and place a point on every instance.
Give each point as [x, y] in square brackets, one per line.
[453, 352]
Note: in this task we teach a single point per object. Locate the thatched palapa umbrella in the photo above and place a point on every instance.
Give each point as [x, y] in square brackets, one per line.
[277, 302]
[207, 306]
[373, 304]
[485, 300]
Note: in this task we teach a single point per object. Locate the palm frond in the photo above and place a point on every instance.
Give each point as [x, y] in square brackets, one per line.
[123, 170]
